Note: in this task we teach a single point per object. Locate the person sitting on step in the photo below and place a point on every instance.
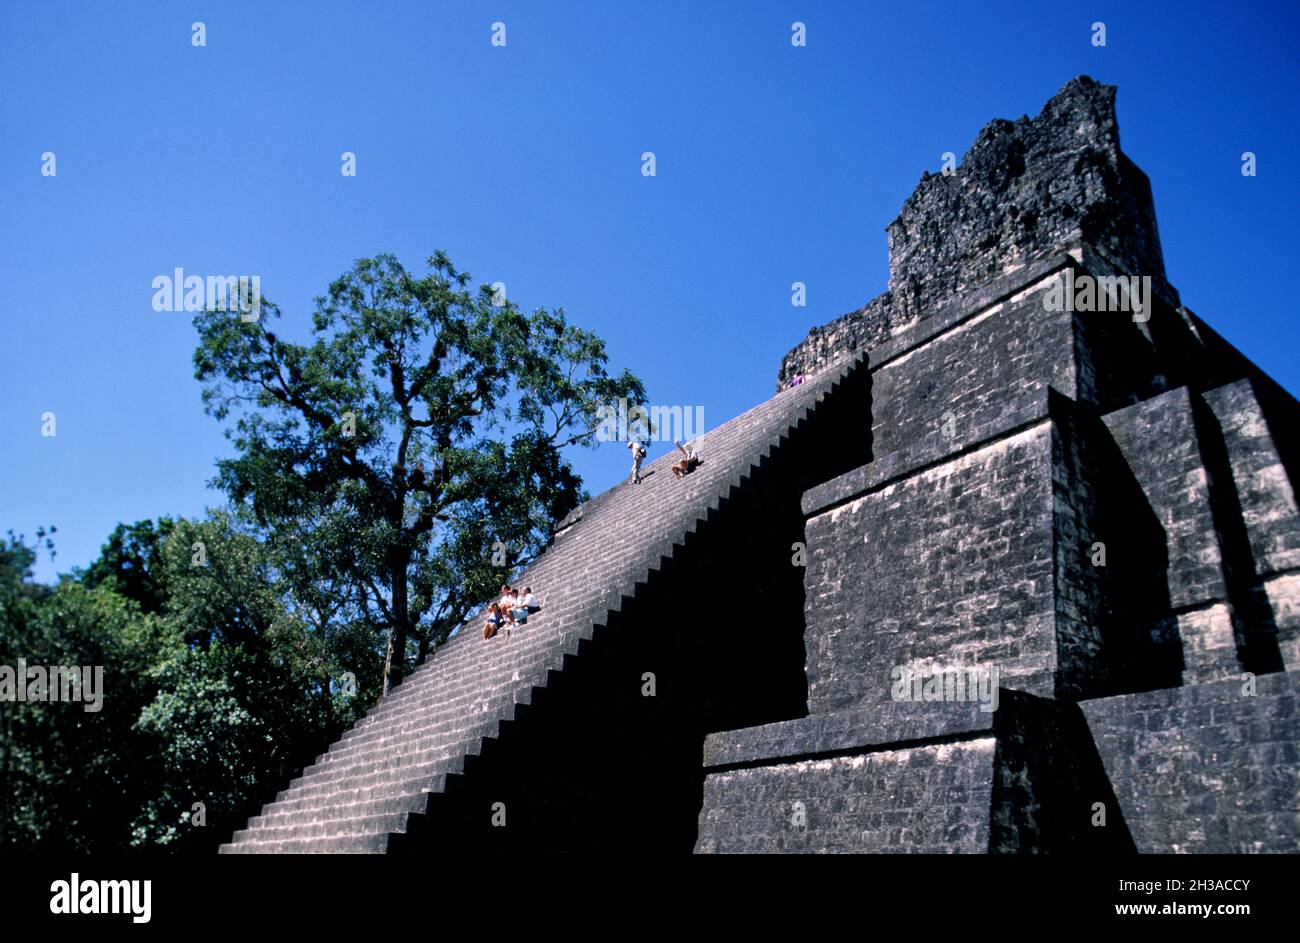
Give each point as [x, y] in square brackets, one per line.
[509, 604]
[507, 600]
[525, 605]
[518, 611]
[493, 621]
[688, 464]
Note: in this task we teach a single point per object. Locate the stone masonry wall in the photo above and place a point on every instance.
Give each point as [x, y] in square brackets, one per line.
[1205, 768]
[1259, 524]
[1159, 441]
[1266, 494]
[937, 543]
[911, 776]
[957, 387]
[952, 565]
[930, 799]
[1082, 604]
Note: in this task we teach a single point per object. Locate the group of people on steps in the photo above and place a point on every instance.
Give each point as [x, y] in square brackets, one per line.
[514, 607]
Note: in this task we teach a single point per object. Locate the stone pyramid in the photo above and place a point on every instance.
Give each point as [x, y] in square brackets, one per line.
[1009, 563]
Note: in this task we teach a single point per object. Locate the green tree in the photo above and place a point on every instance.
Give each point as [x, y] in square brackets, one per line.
[215, 696]
[21, 812]
[422, 428]
[252, 694]
[74, 778]
[128, 562]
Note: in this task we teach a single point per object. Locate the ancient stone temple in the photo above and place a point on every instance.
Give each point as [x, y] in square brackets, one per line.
[1009, 563]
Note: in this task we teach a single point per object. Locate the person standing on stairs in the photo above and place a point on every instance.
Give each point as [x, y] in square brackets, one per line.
[638, 453]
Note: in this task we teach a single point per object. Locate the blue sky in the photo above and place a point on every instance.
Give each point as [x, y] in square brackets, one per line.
[775, 164]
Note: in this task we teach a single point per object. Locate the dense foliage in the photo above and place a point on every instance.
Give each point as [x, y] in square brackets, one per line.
[213, 691]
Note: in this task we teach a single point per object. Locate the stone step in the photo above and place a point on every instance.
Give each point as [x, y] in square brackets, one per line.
[352, 798]
[338, 811]
[374, 843]
[429, 748]
[333, 828]
[527, 662]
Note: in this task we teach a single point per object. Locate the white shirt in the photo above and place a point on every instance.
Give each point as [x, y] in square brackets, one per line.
[529, 602]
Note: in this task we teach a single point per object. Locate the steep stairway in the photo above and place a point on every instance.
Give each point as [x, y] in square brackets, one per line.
[365, 793]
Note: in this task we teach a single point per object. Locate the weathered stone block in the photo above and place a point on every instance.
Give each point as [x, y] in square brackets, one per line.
[1205, 768]
[953, 564]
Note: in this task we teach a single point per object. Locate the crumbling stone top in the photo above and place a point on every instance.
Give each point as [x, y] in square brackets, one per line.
[1025, 189]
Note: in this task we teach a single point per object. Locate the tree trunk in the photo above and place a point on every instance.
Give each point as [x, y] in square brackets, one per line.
[395, 659]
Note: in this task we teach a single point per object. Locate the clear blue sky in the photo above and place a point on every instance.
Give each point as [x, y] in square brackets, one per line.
[775, 164]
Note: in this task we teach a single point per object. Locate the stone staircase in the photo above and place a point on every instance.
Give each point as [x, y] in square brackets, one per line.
[365, 793]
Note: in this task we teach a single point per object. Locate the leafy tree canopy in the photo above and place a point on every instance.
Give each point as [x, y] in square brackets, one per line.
[421, 427]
